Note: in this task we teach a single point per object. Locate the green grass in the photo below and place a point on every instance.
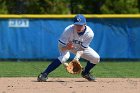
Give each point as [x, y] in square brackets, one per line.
[103, 69]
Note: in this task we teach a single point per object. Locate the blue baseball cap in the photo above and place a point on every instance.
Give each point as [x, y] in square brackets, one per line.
[79, 20]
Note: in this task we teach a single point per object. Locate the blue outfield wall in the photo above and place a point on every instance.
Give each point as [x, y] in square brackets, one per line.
[38, 38]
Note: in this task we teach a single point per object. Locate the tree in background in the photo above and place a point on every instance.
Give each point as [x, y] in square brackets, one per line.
[47, 6]
[34, 6]
[120, 7]
[106, 6]
[3, 8]
[84, 7]
[15, 6]
[69, 6]
[55, 6]
[139, 5]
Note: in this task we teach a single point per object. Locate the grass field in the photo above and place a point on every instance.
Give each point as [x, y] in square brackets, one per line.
[102, 70]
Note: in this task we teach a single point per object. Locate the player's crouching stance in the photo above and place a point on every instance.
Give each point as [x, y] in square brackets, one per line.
[76, 38]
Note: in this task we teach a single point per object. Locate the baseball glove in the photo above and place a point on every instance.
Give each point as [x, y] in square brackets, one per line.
[74, 67]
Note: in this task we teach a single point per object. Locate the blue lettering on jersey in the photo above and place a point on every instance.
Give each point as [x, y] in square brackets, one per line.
[77, 42]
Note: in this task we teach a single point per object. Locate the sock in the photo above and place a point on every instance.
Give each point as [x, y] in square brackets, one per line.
[88, 67]
[56, 63]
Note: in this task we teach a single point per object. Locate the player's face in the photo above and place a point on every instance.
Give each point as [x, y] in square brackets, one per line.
[79, 28]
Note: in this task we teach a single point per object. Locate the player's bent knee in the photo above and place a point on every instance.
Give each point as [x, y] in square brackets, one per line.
[95, 60]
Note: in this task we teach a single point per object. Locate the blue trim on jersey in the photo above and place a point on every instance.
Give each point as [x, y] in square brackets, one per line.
[61, 42]
[83, 46]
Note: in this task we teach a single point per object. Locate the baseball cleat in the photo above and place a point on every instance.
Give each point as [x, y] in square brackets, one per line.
[42, 78]
[88, 76]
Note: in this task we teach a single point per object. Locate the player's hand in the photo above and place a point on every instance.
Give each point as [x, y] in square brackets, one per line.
[78, 55]
[69, 45]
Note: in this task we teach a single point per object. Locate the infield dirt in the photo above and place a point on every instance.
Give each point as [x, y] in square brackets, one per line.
[69, 85]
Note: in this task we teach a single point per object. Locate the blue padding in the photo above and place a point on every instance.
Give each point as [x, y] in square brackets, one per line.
[114, 38]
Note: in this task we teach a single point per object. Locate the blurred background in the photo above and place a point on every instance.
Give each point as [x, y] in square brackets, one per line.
[114, 22]
[69, 6]
[30, 29]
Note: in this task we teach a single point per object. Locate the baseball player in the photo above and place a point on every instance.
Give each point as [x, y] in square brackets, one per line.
[76, 39]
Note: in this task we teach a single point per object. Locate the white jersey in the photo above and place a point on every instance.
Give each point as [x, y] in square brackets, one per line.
[79, 41]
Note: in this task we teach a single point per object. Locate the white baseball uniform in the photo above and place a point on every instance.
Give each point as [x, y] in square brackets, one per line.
[79, 42]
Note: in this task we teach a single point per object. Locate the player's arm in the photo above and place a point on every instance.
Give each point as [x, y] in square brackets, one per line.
[84, 45]
[78, 55]
[64, 42]
[64, 47]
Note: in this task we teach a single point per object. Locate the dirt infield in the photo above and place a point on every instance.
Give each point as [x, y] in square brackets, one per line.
[69, 85]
